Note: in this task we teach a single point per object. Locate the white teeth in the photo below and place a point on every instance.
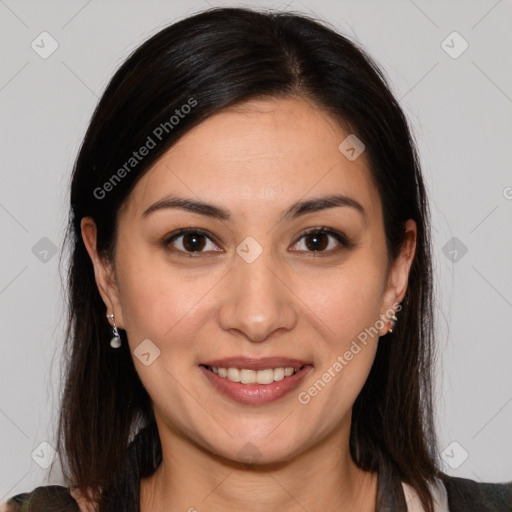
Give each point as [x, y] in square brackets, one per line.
[279, 374]
[265, 376]
[234, 374]
[247, 376]
[244, 376]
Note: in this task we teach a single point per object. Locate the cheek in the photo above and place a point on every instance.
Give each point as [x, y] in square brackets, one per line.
[168, 307]
[348, 298]
[349, 306]
[161, 303]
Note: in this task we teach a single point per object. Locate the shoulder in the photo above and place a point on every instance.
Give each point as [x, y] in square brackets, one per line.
[48, 498]
[469, 495]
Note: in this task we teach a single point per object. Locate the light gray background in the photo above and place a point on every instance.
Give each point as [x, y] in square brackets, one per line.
[460, 110]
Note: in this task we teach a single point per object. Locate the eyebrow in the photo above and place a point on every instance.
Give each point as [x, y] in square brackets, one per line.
[296, 209]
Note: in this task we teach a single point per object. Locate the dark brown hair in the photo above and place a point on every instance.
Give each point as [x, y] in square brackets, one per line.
[219, 58]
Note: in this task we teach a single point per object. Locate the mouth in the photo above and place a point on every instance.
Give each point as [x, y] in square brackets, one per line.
[248, 376]
[253, 382]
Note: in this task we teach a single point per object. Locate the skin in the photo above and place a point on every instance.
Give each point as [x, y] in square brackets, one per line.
[255, 160]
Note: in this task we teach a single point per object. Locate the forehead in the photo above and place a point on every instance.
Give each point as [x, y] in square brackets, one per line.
[259, 156]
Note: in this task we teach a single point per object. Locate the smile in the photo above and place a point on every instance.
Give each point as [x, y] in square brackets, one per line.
[246, 376]
[255, 387]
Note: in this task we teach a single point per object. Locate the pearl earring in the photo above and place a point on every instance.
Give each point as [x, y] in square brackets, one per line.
[115, 341]
[392, 323]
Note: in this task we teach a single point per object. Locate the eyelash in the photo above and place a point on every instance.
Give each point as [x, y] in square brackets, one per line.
[339, 236]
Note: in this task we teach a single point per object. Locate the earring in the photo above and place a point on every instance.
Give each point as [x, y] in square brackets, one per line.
[392, 323]
[115, 341]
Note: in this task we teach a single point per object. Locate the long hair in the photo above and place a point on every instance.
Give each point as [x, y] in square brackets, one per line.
[209, 61]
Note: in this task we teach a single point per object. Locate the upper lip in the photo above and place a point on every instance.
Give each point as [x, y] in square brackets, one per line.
[256, 364]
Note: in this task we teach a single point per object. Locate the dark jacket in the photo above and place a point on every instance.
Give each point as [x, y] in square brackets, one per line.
[464, 495]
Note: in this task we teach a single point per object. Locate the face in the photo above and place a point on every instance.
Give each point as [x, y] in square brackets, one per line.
[250, 284]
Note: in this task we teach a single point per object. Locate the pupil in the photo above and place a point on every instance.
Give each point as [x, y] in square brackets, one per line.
[193, 242]
[317, 241]
[196, 242]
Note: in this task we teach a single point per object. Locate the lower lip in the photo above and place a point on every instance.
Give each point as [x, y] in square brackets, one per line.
[256, 394]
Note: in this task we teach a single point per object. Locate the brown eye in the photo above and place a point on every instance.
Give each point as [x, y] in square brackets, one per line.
[191, 240]
[317, 241]
[322, 240]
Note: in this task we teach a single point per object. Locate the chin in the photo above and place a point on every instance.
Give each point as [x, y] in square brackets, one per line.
[259, 453]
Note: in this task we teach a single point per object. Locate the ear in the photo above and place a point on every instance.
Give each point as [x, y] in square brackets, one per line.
[398, 275]
[103, 272]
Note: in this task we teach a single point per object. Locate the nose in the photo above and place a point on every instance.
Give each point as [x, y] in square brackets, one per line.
[259, 303]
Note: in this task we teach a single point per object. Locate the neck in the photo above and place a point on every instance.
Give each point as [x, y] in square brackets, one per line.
[322, 478]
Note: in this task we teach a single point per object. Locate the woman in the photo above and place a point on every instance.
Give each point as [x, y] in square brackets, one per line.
[251, 317]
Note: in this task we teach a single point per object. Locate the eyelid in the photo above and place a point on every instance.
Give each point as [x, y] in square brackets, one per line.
[185, 231]
[340, 237]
